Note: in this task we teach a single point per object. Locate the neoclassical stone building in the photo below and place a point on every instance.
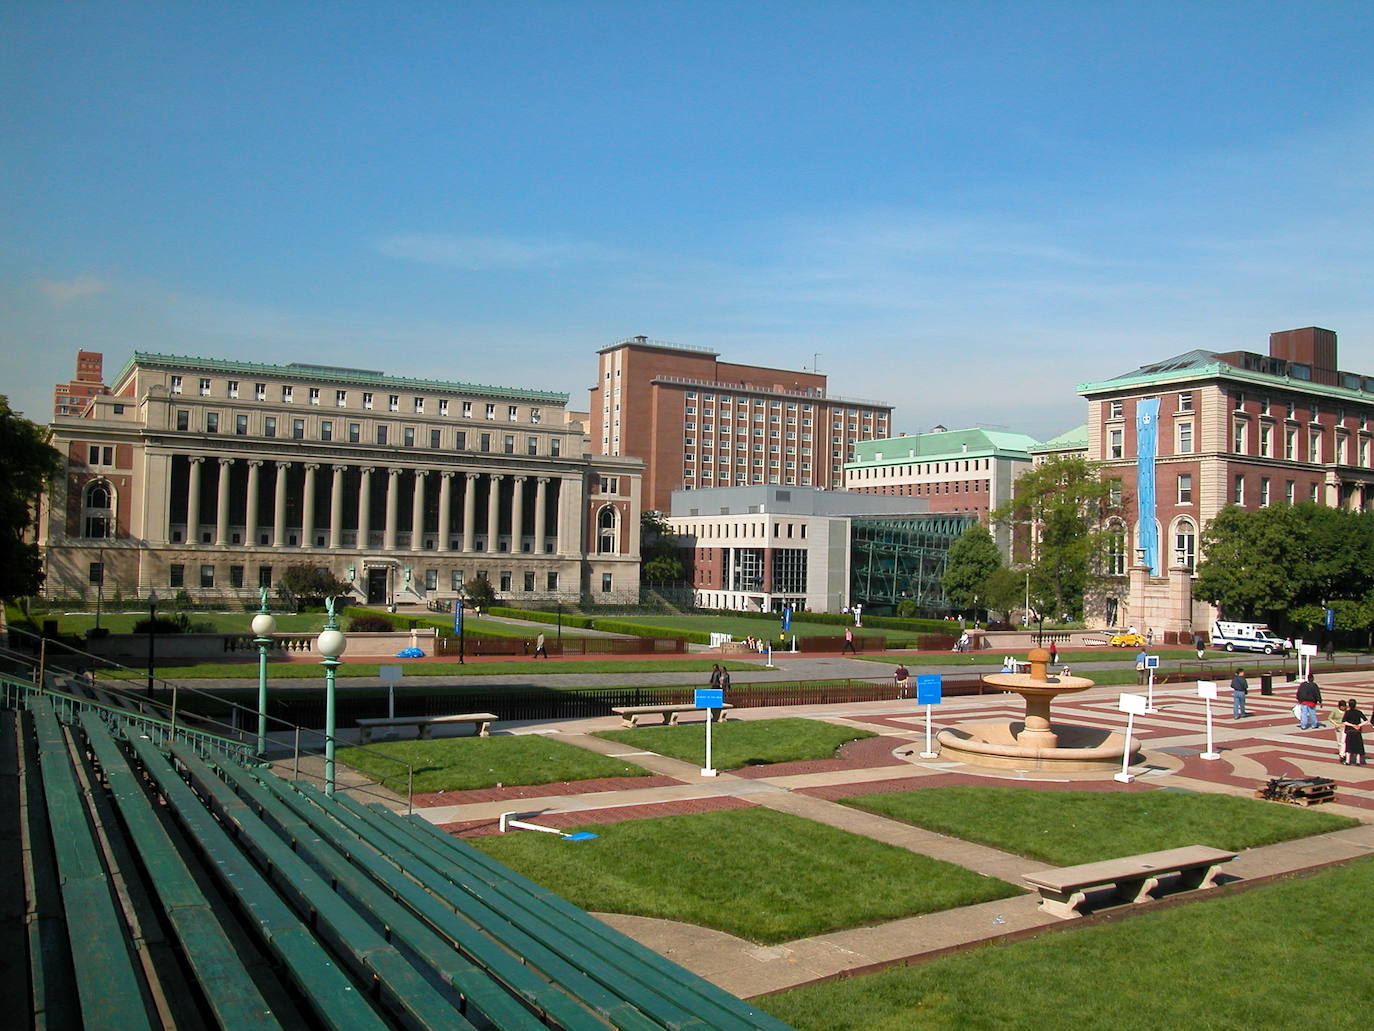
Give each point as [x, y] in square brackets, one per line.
[213, 476]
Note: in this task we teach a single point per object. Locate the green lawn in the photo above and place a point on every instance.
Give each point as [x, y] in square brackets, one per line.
[248, 670]
[993, 657]
[1289, 955]
[754, 873]
[457, 764]
[742, 627]
[1069, 827]
[239, 622]
[742, 743]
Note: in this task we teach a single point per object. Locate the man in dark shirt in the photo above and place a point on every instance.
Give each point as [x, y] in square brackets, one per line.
[1238, 689]
[1309, 697]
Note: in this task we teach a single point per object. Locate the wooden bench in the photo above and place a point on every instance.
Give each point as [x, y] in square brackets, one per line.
[425, 724]
[1135, 878]
[629, 714]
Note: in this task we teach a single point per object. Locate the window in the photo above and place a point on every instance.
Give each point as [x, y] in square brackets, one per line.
[419, 406]
[367, 399]
[393, 402]
[1185, 489]
[1116, 551]
[467, 409]
[176, 575]
[1288, 492]
[1266, 443]
[1240, 400]
[529, 580]
[288, 394]
[1238, 437]
[1238, 491]
[1313, 492]
[233, 388]
[269, 426]
[508, 443]
[326, 429]
[460, 440]
[1115, 449]
[207, 576]
[455, 579]
[98, 511]
[408, 436]
[1185, 546]
[1314, 446]
[531, 445]
[1264, 492]
[431, 579]
[551, 582]
[259, 391]
[176, 384]
[434, 439]
[297, 429]
[1292, 409]
[605, 583]
[536, 416]
[212, 422]
[1185, 438]
[511, 413]
[556, 446]
[236, 576]
[491, 411]
[204, 387]
[341, 399]
[1114, 409]
[381, 434]
[505, 580]
[484, 444]
[314, 395]
[241, 425]
[355, 432]
[610, 485]
[183, 418]
[606, 543]
[1290, 445]
[1185, 402]
[443, 406]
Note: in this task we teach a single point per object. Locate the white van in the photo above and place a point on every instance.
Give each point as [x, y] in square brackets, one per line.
[1247, 637]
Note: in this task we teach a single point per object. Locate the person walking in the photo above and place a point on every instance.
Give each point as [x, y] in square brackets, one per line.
[901, 679]
[1149, 637]
[1309, 697]
[1238, 689]
[1337, 718]
[1054, 653]
[1140, 667]
[716, 673]
[539, 648]
[724, 683]
[849, 642]
[1355, 725]
[1199, 645]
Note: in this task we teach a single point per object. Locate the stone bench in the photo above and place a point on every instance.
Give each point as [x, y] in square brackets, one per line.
[629, 714]
[482, 721]
[1135, 878]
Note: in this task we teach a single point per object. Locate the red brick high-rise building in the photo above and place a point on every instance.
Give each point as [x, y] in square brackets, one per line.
[697, 422]
[72, 398]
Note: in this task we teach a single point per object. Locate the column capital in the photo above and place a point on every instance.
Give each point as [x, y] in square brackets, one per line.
[282, 465]
[519, 478]
[448, 474]
[367, 470]
[339, 468]
[254, 463]
[226, 461]
[196, 459]
[421, 472]
[542, 479]
[472, 476]
[312, 467]
[393, 471]
[495, 476]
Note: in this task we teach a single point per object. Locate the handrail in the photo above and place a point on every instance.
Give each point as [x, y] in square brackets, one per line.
[157, 713]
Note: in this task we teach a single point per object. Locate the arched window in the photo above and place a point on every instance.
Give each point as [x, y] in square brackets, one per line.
[1116, 548]
[1185, 543]
[607, 537]
[97, 510]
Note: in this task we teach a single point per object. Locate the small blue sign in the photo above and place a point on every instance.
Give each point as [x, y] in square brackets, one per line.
[708, 698]
[1152, 662]
[928, 688]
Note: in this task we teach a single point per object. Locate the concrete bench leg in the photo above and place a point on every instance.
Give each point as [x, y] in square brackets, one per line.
[1199, 877]
[425, 731]
[1065, 907]
[630, 722]
[364, 735]
[670, 719]
[484, 729]
[1137, 889]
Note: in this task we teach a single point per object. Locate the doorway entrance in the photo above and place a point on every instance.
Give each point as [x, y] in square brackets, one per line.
[376, 586]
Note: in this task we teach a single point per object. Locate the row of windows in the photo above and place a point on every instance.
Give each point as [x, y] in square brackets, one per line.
[208, 573]
[1184, 538]
[1316, 451]
[704, 531]
[382, 433]
[1240, 402]
[1263, 496]
[288, 393]
[921, 469]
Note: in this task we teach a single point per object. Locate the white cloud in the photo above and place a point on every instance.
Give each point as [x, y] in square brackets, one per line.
[64, 291]
[482, 253]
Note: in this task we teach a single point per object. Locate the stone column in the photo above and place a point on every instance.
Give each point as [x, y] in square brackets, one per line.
[493, 511]
[445, 507]
[517, 513]
[222, 503]
[364, 506]
[193, 502]
[279, 507]
[540, 507]
[417, 512]
[336, 506]
[389, 530]
[470, 513]
[569, 521]
[250, 517]
[308, 508]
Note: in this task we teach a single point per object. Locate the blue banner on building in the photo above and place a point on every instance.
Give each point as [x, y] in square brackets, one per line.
[1147, 439]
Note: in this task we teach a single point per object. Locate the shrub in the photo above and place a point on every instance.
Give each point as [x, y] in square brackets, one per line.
[369, 624]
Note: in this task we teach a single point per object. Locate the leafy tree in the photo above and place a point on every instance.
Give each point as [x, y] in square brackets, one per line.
[1004, 591]
[308, 586]
[972, 560]
[1063, 505]
[480, 593]
[658, 548]
[27, 464]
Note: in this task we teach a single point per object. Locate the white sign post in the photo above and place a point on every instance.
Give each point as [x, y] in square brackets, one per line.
[1130, 705]
[1151, 664]
[709, 699]
[392, 676]
[1207, 691]
[1306, 653]
[929, 692]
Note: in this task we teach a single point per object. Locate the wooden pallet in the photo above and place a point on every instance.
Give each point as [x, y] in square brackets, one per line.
[1305, 791]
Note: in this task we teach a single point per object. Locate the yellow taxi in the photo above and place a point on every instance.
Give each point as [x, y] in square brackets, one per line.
[1126, 641]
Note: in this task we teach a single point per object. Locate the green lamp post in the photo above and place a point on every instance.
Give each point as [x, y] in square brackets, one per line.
[331, 643]
[264, 626]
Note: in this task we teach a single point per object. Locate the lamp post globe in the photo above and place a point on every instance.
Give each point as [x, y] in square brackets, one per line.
[331, 644]
[264, 626]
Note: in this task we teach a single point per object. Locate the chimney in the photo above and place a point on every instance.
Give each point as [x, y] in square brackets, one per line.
[1309, 346]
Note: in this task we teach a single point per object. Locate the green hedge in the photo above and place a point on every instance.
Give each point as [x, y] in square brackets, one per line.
[539, 616]
[914, 625]
[614, 626]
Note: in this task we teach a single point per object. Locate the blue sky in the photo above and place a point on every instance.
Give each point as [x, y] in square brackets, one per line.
[966, 209]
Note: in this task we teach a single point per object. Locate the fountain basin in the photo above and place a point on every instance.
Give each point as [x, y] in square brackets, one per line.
[1000, 744]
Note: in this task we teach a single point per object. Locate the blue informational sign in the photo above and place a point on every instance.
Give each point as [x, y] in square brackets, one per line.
[1147, 436]
[1152, 662]
[928, 689]
[786, 618]
[1331, 619]
[708, 698]
[458, 617]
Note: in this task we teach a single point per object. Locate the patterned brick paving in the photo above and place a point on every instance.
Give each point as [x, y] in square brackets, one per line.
[565, 787]
[838, 792]
[587, 817]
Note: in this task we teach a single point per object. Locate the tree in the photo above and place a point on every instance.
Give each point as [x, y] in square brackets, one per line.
[1064, 506]
[972, 560]
[28, 463]
[1004, 591]
[480, 593]
[309, 586]
[658, 548]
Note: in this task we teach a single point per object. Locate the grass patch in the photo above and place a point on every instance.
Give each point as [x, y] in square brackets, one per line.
[1070, 827]
[742, 627]
[1201, 966]
[742, 742]
[304, 670]
[458, 764]
[754, 873]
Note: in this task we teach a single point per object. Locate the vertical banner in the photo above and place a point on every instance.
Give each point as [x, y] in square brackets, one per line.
[458, 617]
[1147, 438]
[786, 618]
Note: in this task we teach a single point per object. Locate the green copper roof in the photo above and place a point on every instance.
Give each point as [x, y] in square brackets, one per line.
[1076, 437]
[307, 373]
[948, 445]
[1200, 365]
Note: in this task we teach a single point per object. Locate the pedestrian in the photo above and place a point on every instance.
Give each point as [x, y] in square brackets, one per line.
[724, 680]
[901, 679]
[1054, 653]
[1149, 637]
[1140, 667]
[716, 672]
[1309, 697]
[1338, 721]
[539, 648]
[848, 642]
[1238, 689]
[1330, 648]
[1355, 726]
[1199, 645]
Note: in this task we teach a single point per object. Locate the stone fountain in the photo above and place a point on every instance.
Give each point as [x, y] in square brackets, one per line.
[1035, 743]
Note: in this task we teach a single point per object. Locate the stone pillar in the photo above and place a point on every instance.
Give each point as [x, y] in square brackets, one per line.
[336, 507]
[222, 503]
[308, 508]
[193, 502]
[364, 506]
[517, 513]
[540, 507]
[470, 513]
[279, 507]
[389, 530]
[493, 511]
[445, 507]
[569, 520]
[417, 512]
[250, 518]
